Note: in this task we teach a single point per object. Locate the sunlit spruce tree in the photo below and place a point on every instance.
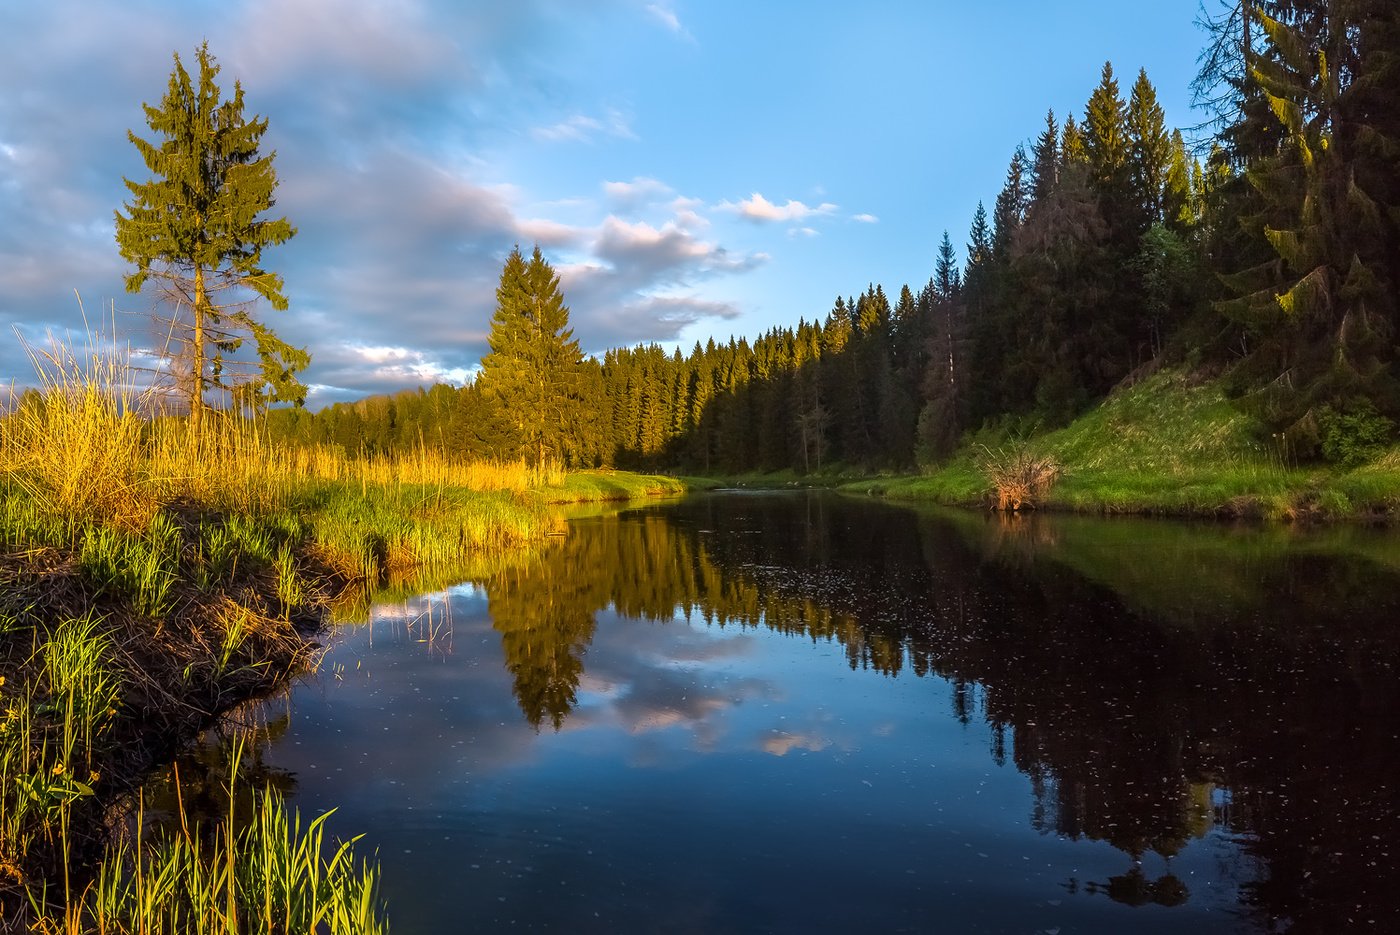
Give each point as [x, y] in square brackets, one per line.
[530, 377]
[194, 226]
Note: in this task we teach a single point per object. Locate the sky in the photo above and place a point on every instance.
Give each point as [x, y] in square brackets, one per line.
[691, 168]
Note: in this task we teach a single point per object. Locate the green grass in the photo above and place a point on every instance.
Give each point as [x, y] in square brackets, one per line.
[1172, 447]
[830, 476]
[262, 872]
[592, 486]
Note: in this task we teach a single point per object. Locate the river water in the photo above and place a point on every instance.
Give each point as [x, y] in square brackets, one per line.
[807, 713]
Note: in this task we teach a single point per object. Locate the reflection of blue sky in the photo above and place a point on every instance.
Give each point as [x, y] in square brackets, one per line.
[699, 761]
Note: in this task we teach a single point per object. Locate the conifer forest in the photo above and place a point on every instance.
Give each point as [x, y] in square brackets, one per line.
[1262, 247]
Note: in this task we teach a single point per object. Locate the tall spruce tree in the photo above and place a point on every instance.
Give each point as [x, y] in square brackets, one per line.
[1107, 147]
[1072, 151]
[1045, 160]
[1010, 208]
[1150, 149]
[531, 375]
[195, 227]
[1322, 309]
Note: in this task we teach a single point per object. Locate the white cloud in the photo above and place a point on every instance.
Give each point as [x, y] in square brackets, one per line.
[546, 233]
[865, 218]
[377, 112]
[581, 128]
[759, 209]
[663, 13]
[628, 196]
[386, 43]
[686, 216]
[802, 232]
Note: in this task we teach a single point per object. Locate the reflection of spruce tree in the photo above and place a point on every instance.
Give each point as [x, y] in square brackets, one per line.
[1123, 701]
[546, 623]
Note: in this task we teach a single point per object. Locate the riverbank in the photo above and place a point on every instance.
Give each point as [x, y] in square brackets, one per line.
[149, 581]
[1169, 446]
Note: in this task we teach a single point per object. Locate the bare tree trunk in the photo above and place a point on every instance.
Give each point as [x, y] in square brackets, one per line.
[201, 306]
[1245, 14]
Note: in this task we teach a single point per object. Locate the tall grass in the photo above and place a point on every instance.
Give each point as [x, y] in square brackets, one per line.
[78, 448]
[265, 873]
[84, 465]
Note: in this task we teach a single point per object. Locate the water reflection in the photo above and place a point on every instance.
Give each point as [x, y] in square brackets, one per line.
[1132, 670]
[1191, 696]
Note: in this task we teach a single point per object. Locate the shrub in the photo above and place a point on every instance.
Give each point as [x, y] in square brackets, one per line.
[1018, 476]
[1355, 435]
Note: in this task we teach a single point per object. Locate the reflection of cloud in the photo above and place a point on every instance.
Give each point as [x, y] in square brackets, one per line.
[709, 650]
[779, 742]
[647, 680]
[661, 698]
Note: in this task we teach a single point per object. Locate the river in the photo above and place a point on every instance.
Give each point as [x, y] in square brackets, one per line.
[798, 712]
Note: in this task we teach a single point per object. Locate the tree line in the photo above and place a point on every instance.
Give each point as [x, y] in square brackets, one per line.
[1269, 254]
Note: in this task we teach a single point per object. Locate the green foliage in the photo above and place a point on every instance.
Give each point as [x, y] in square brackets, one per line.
[1354, 434]
[530, 377]
[273, 876]
[139, 567]
[1103, 260]
[195, 226]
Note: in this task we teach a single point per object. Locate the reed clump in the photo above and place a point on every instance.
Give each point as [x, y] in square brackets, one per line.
[1019, 477]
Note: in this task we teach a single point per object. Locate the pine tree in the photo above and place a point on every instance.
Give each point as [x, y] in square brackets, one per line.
[194, 227]
[531, 374]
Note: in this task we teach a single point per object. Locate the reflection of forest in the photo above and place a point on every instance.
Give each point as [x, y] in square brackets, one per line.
[1140, 727]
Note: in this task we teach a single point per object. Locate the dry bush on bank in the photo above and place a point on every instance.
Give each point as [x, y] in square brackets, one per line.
[1020, 479]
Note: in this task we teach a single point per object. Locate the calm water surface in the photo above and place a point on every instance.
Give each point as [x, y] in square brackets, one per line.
[801, 713]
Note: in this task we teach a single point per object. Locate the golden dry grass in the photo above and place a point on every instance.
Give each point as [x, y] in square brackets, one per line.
[1019, 477]
[86, 447]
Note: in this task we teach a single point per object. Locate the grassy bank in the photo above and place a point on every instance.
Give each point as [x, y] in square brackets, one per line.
[149, 580]
[1167, 446]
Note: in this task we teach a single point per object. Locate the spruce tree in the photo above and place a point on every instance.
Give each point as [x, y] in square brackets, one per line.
[1322, 306]
[1010, 208]
[1150, 151]
[1045, 160]
[1179, 203]
[195, 227]
[946, 280]
[979, 245]
[1072, 151]
[1105, 131]
[530, 377]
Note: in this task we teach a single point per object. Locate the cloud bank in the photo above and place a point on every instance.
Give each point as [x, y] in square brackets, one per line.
[383, 117]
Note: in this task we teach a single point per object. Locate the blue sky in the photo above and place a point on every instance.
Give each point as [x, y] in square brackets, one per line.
[692, 168]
